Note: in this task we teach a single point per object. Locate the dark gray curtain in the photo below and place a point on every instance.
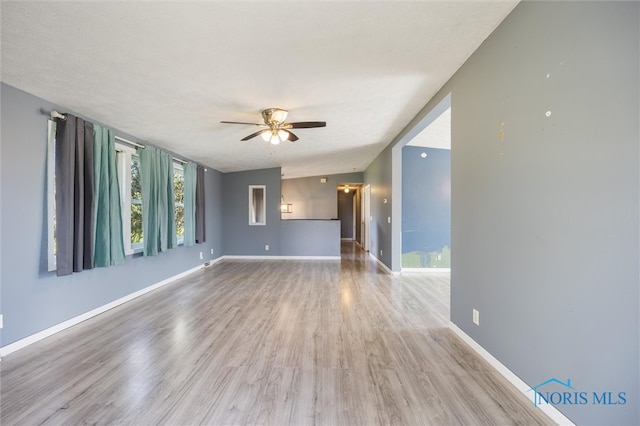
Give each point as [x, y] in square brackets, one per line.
[74, 195]
[200, 213]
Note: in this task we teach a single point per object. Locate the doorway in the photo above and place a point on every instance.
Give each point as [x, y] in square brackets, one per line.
[422, 182]
[350, 211]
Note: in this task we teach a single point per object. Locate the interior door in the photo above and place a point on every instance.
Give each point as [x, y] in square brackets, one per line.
[355, 218]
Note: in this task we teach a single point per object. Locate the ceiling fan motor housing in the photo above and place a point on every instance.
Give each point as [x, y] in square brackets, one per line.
[274, 116]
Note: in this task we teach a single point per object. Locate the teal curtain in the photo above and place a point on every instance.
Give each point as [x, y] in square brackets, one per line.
[190, 177]
[107, 216]
[158, 202]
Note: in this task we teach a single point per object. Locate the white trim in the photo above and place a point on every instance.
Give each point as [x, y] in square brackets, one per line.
[22, 343]
[227, 256]
[382, 265]
[347, 239]
[551, 411]
[257, 218]
[212, 262]
[51, 194]
[423, 270]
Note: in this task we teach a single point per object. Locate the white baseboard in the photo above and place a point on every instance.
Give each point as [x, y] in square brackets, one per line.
[212, 262]
[281, 257]
[423, 270]
[22, 343]
[382, 265]
[551, 411]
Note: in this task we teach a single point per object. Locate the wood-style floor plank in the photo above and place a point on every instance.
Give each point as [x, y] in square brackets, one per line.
[266, 342]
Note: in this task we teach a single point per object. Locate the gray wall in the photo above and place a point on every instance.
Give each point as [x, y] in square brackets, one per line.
[545, 222]
[310, 238]
[345, 213]
[378, 175]
[426, 207]
[311, 199]
[556, 202]
[33, 299]
[239, 238]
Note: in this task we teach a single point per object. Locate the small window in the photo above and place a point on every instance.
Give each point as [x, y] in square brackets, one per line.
[136, 204]
[178, 192]
[257, 205]
[130, 197]
[51, 196]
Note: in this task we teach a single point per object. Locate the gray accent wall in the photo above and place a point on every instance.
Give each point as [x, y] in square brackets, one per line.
[314, 200]
[378, 175]
[426, 207]
[33, 299]
[545, 219]
[345, 213]
[545, 200]
[312, 238]
[239, 238]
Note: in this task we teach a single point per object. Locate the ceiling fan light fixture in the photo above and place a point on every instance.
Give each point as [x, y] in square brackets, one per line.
[275, 129]
[283, 135]
[275, 139]
[279, 115]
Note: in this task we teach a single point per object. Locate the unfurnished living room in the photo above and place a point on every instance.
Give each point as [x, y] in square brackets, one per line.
[333, 213]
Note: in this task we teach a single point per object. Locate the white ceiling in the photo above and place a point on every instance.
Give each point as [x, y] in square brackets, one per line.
[168, 72]
[437, 134]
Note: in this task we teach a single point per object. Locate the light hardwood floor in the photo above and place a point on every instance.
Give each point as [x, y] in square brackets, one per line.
[266, 342]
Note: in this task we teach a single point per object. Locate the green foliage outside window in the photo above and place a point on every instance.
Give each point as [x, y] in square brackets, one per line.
[136, 201]
[178, 190]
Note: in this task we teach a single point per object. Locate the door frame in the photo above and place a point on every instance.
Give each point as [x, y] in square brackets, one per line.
[366, 217]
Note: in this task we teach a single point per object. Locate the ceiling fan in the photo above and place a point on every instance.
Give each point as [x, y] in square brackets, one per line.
[275, 129]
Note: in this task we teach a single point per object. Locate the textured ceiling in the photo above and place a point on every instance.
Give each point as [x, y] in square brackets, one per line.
[168, 72]
[437, 134]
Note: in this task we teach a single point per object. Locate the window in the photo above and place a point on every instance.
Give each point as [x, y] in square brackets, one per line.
[257, 210]
[178, 192]
[130, 197]
[51, 196]
[129, 177]
[136, 204]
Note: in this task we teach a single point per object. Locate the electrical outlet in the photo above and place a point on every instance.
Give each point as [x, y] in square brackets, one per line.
[380, 252]
[211, 251]
[1, 321]
[266, 247]
[201, 257]
[476, 317]
[388, 219]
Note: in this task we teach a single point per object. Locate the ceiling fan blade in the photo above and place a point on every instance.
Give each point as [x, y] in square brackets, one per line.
[253, 135]
[240, 122]
[292, 137]
[306, 124]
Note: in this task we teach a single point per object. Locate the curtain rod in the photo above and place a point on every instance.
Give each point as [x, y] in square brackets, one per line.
[129, 142]
[56, 114]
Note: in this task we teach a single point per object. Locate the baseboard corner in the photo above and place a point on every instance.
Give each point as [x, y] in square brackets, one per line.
[552, 412]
